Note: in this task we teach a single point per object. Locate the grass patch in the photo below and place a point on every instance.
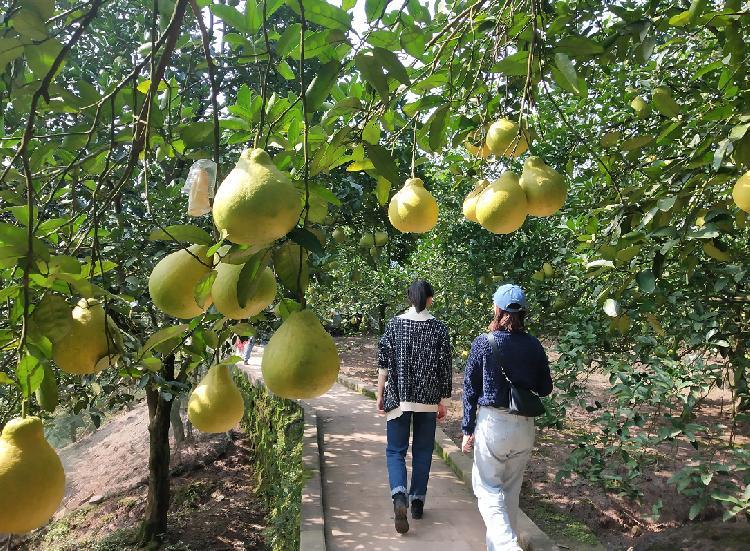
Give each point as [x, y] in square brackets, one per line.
[557, 524]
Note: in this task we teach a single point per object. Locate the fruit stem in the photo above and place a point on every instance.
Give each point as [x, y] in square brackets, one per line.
[414, 149]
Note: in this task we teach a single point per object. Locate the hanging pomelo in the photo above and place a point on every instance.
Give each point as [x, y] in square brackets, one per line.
[32, 480]
[216, 404]
[413, 209]
[505, 139]
[470, 202]
[300, 360]
[172, 282]
[224, 291]
[502, 208]
[92, 343]
[256, 203]
[544, 187]
[741, 192]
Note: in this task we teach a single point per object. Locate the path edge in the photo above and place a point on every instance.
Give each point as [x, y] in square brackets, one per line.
[312, 520]
[530, 536]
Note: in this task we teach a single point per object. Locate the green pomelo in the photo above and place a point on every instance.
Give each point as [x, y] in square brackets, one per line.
[224, 292]
[502, 207]
[256, 203]
[172, 282]
[413, 209]
[544, 187]
[300, 360]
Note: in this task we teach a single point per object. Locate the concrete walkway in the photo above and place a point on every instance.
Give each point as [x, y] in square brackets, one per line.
[356, 497]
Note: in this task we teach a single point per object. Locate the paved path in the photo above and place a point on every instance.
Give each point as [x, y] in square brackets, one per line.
[356, 496]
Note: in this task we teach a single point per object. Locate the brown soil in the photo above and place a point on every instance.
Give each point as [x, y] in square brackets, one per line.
[618, 522]
[213, 501]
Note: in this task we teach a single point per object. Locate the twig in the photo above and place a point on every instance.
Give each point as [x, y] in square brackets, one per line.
[305, 130]
[453, 21]
[264, 83]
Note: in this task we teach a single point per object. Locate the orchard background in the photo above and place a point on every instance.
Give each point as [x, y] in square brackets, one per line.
[105, 106]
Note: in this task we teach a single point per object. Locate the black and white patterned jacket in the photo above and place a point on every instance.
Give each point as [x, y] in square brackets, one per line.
[415, 353]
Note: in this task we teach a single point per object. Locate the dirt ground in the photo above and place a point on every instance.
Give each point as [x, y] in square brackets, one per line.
[213, 501]
[619, 523]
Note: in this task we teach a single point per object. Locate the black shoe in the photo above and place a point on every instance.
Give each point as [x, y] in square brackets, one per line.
[417, 508]
[400, 507]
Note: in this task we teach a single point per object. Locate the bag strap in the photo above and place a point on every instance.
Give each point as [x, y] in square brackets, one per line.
[496, 353]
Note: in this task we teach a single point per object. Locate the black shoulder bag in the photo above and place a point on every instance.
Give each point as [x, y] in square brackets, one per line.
[521, 401]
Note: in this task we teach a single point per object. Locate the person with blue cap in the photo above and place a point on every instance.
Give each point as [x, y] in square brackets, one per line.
[502, 440]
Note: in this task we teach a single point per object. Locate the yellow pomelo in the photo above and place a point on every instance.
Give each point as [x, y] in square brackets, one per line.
[381, 238]
[502, 207]
[93, 336]
[741, 192]
[544, 187]
[470, 203]
[32, 480]
[256, 203]
[715, 252]
[549, 271]
[224, 292]
[504, 139]
[641, 107]
[216, 404]
[172, 282]
[482, 151]
[300, 360]
[413, 209]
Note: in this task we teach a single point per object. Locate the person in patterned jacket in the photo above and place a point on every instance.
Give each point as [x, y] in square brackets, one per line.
[414, 389]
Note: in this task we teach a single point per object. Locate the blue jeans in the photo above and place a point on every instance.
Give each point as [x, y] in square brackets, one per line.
[423, 442]
[248, 349]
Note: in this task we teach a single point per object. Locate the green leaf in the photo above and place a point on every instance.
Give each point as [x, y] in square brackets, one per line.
[382, 190]
[202, 289]
[413, 42]
[375, 9]
[288, 306]
[285, 70]
[371, 132]
[612, 308]
[383, 162]
[231, 16]
[247, 281]
[197, 134]
[636, 143]
[579, 45]
[41, 56]
[182, 233]
[321, 85]
[29, 373]
[568, 71]
[163, 335]
[289, 40]
[323, 13]
[437, 127]
[43, 8]
[373, 73]
[384, 39]
[695, 510]
[5, 380]
[306, 239]
[325, 194]
[392, 64]
[29, 25]
[513, 65]
[53, 316]
[10, 49]
[647, 281]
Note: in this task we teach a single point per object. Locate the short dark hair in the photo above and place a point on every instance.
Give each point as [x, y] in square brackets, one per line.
[418, 293]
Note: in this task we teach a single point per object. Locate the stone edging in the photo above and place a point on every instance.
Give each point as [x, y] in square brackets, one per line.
[530, 535]
[312, 523]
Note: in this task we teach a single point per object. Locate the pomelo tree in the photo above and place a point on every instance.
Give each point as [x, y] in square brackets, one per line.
[643, 109]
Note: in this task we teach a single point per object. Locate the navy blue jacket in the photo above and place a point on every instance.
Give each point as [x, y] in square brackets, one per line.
[525, 363]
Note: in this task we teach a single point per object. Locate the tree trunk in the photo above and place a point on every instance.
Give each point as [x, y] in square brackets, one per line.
[178, 429]
[154, 526]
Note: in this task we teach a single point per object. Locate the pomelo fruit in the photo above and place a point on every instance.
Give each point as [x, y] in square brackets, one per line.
[300, 360]
[470, 202]
[216, 404]
[502, 207]
[92, 343]
[339, 236]
[413, 209]
[381, 238]
[641, 107]
[32, 480]
[366, 241]
[712, 250]
[544, 187]
[172, 282]
[224, 292]
[741, 192]
[505, 139]
[256, 203]
[548, 269]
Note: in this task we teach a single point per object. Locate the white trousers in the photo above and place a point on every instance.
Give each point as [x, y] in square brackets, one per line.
[502, 446]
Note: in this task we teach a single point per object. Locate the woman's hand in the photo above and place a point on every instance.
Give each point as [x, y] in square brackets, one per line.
[380, 404]
[442, 412]
[468, 443]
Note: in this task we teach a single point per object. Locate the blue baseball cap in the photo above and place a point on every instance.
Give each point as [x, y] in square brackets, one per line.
[509, 298]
